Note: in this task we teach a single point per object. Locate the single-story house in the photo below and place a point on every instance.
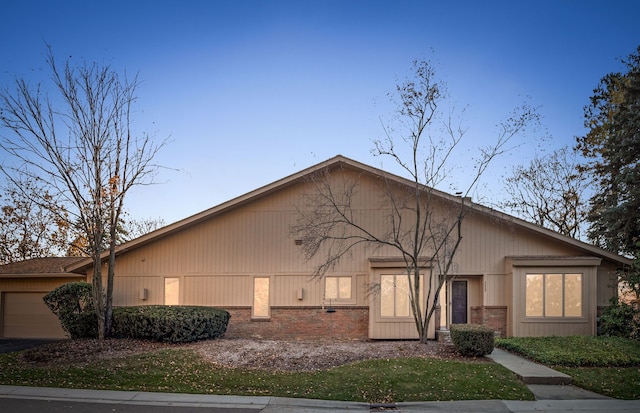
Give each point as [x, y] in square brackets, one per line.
[516, 277]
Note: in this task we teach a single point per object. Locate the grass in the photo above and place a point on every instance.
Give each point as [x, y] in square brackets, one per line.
[606, 365]
[184, 371]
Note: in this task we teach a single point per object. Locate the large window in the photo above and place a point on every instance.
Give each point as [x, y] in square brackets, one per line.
[394, 296]
[553, 295]
[261, 297]
[337, 288]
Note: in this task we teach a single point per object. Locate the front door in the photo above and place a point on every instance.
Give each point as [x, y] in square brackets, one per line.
[459, 302]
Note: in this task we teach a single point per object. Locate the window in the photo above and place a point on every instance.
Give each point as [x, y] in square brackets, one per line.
[553, 295]
[172, 291]
[394, 296]
[337, 288]
[261, 297]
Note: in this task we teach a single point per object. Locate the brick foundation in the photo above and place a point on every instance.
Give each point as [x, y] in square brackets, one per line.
[301, 323]
[494, 317]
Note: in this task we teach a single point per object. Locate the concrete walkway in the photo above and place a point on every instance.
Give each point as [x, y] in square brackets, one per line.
[529, 372]
[543, 382]
[285, 405]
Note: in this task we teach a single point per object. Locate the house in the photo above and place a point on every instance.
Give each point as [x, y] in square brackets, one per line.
[516, 277]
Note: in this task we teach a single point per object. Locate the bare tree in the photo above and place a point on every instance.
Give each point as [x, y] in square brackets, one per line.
[127, 230]
[29, 229]
[550, 192]
[80, 145]
[134, 228]
[422, 225]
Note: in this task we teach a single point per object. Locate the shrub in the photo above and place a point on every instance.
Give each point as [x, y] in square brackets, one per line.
[620, 319]
[472, 339]
[170, 324]
[72, 303]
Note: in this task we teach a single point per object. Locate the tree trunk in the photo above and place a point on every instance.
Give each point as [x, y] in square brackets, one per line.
[98, 297]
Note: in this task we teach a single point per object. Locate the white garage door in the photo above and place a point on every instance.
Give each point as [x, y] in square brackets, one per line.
[25, 315]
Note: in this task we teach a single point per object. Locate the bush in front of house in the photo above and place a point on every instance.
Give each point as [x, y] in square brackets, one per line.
[72, 303]
[169, 324]
[472, 340]
[620, 319]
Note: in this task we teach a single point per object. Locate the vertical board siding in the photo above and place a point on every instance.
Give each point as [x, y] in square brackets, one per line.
[218, 291]
[217, 257]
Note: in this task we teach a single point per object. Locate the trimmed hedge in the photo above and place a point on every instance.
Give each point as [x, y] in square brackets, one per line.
[170, 324]
[72, 303]
[472, 340]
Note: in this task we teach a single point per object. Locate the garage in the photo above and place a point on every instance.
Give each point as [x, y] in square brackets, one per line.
[25, 315]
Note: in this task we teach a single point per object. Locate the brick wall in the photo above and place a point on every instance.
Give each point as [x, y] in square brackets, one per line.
[494, 317]
[295, 323]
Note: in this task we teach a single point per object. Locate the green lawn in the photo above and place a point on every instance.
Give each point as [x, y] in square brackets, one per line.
[184, 371]
[605, 365]
[608, 366]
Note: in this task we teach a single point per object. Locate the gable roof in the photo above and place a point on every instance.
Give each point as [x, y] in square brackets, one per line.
[41, 267]
[340, 161]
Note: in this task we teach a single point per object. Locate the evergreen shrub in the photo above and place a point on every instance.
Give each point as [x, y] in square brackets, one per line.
[620, 319]
[472, 340]
[72, 303]
[169, 324]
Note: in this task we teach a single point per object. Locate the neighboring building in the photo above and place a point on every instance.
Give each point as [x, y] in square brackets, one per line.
[23, 313]
[516, 277]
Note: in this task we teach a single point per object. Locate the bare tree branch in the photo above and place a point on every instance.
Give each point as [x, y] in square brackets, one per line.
[81, 147]
[421, 225]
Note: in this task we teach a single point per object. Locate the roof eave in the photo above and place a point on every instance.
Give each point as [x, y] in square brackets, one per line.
[44, 275]
[337, 161]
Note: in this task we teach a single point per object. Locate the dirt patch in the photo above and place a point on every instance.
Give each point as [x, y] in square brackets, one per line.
[309, 356]
[270, 355]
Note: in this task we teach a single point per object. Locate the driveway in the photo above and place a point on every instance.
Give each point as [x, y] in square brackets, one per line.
[9, 345]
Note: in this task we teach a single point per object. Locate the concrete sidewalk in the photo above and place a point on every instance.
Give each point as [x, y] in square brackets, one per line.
[285, 405]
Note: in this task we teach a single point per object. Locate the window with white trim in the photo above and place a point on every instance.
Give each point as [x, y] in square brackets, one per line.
[553, 295]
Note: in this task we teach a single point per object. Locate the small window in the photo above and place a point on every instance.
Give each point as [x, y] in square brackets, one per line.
[261, 297]
[172, 291]
[553, 295]
[337, 288]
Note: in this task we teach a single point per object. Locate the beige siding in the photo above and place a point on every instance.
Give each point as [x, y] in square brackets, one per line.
[487, 242]
[216, 258]
[495, 289]
[129, 290]
[607, 284]
[222, 291]
[525, 327]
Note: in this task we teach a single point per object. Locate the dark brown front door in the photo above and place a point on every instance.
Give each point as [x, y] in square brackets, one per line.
[459, 302]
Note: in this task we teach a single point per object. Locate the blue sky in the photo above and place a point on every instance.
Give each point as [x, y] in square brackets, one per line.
[249, 92]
